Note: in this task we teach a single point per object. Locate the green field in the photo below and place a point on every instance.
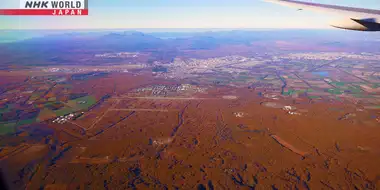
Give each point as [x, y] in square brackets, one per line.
[340, 84]
[45, 113]
[35, 96]
[314, 97]
[292, 91]
[355, 89]
[7, 128]
[64, 111]
[52, 99]
[372, 107]
[26, 122]
[76, 105]
[335, 91]
[289, 92]
[82, 103]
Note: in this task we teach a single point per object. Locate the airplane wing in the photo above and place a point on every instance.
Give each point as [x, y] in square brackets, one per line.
[355, 18]
[352, 12]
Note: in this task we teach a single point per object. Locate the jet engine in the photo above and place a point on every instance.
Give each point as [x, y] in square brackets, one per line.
[370, 24]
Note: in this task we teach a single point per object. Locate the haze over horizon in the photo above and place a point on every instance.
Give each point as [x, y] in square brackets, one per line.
[173, 14]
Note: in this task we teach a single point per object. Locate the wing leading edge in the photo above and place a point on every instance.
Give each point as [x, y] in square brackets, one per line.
[356, 18]
[353, 11]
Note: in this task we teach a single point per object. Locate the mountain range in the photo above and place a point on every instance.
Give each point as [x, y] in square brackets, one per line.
[40, 50]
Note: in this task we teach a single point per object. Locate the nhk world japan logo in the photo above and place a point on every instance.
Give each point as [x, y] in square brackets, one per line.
[48, 7]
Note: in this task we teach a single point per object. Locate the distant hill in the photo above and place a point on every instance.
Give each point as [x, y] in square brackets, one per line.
[72, 46]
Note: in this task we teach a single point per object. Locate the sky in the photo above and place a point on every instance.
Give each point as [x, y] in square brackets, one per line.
[132, 14]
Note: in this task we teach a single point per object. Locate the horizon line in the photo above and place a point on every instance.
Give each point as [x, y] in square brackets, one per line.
[58, 29]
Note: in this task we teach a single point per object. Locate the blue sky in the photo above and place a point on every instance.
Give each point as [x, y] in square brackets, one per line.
[181, 14]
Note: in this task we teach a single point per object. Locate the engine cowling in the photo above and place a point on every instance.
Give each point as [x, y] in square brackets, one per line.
[357, 24]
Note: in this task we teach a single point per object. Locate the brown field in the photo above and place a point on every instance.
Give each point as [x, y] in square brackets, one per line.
[127, 142]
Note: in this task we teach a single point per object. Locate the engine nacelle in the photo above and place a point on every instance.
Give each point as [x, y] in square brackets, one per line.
[357, 24]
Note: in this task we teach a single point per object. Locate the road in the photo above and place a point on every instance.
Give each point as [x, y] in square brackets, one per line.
[105, 113]
[162, 98]
[139, 109]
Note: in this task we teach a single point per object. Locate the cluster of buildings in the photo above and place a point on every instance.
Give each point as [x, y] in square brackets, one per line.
[163, 90]
[329, 56]
[119, 55]
[86, 69]
[162, 141]
[211, 62]
[290, 110]
[239, 114]
[182, 68]
[271, 96]
[67, 70]
[66, 118]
